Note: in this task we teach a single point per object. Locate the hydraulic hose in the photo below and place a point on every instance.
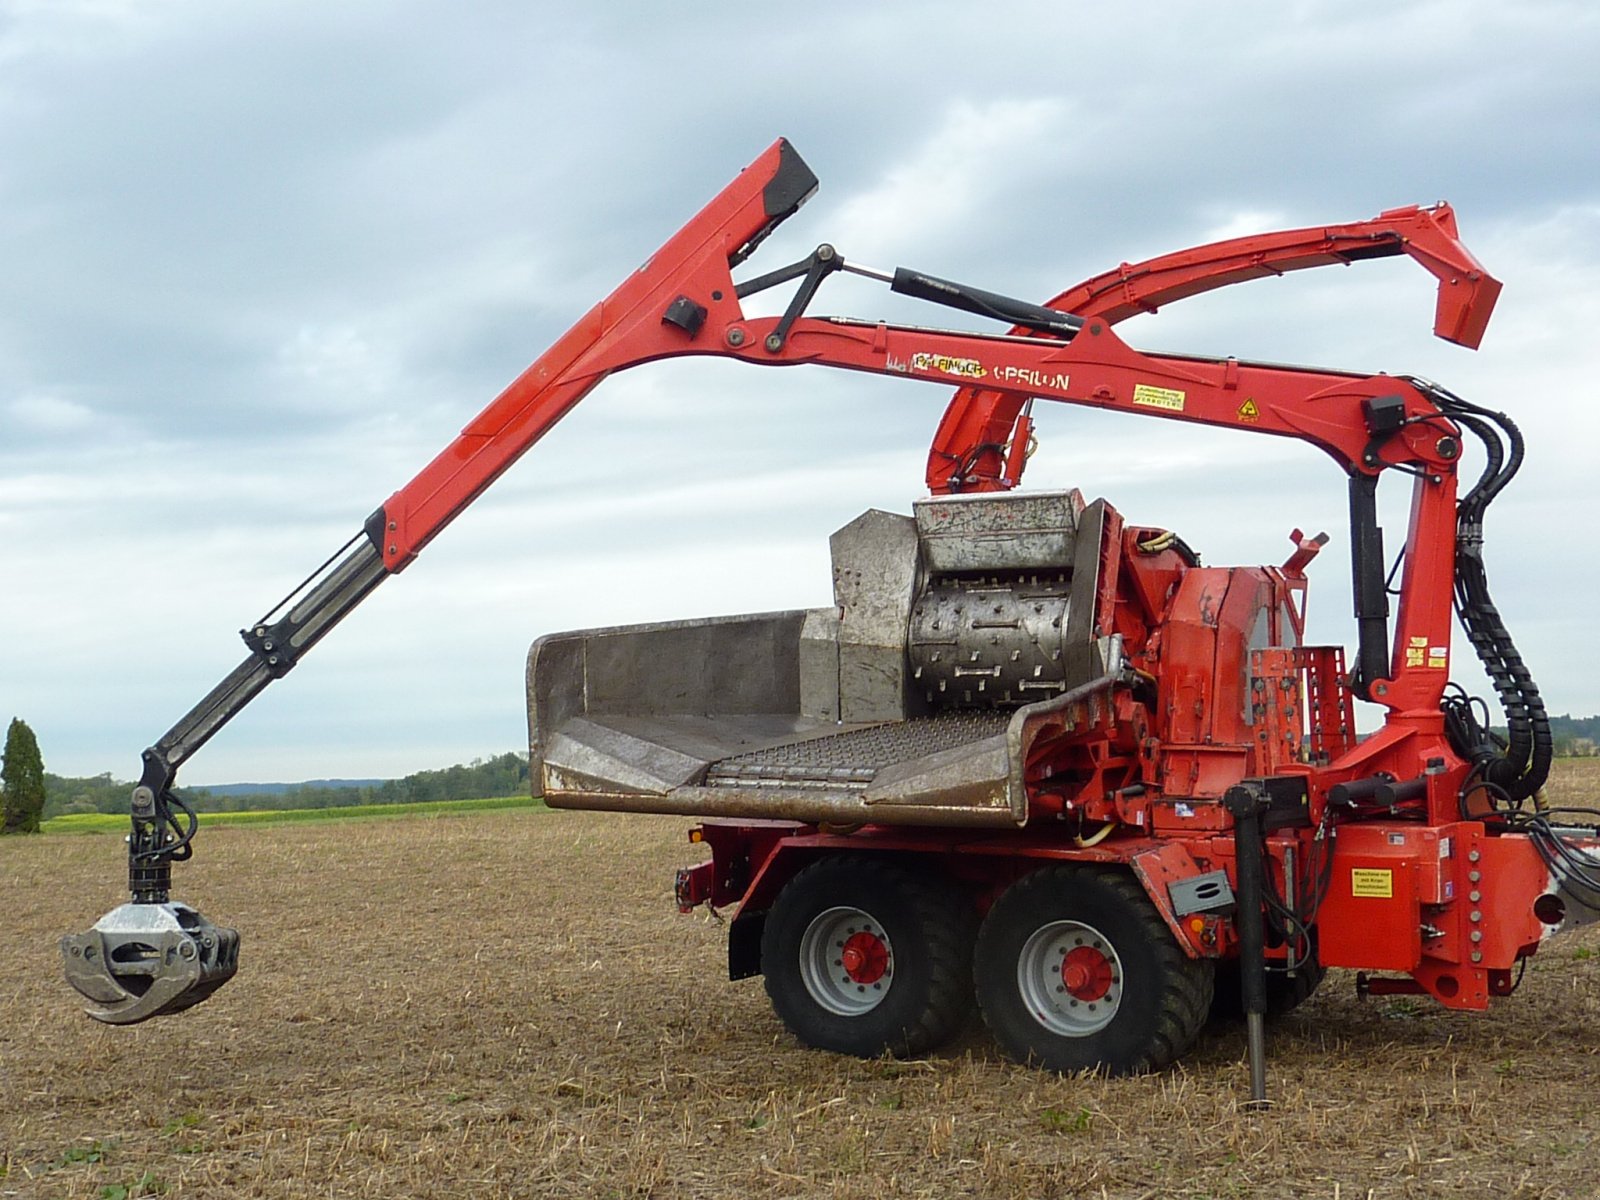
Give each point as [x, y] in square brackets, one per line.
[1520, 766]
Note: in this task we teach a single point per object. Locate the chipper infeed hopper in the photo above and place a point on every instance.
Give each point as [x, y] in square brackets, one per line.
[954, 633]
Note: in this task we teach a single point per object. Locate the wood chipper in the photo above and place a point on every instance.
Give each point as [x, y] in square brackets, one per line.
[1034, 757]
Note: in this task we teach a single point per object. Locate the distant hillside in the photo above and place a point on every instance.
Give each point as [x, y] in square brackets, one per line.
[483, 778]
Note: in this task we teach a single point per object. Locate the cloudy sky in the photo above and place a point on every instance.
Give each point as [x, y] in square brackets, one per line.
[260, 260]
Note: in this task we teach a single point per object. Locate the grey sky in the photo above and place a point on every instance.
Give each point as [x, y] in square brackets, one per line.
[260, 261]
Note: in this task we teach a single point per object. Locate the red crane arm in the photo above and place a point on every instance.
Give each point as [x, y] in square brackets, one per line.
[967, 450]
[684, 301]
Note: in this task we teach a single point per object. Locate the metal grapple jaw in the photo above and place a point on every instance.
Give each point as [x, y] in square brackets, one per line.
[146, 960]
[152, 956]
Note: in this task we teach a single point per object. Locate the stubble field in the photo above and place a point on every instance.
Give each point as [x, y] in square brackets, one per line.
[508, 1005]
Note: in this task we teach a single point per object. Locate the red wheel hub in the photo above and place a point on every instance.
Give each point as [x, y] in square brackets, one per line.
[864, 957]
[1086, 974]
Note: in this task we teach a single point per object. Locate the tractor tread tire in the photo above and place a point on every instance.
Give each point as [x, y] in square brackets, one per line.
[932, 929]
[1109, 897]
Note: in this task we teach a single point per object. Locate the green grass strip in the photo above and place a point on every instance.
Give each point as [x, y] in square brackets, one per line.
[118, 823]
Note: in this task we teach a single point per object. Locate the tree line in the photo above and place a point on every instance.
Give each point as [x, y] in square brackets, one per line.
[503, 775]
[1575, 736]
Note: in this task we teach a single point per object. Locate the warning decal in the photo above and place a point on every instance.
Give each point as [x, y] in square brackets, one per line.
[1248, 411]
[1419, 653]
[1170, 399]
[1368, 881]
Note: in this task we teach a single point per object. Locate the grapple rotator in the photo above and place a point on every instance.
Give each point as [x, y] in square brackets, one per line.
[153, 955]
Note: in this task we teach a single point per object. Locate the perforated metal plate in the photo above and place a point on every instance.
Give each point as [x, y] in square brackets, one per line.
[851, 760]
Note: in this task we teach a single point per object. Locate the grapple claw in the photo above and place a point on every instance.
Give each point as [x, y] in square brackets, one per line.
[146, 960]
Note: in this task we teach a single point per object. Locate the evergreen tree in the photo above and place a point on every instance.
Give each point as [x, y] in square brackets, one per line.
[22, 780]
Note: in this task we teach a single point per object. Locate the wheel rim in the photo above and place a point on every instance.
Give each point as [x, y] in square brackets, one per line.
[846, 961]
[1070, 978]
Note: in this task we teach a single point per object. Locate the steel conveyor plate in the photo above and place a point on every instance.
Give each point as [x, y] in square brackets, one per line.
[854, 758]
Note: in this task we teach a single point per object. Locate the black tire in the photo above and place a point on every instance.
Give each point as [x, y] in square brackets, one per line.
[909, 987]
[1077, 971]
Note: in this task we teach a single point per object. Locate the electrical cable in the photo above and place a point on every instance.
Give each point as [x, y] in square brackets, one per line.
[1522, 969]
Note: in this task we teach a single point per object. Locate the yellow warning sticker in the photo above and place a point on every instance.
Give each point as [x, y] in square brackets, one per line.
[1420, 653]
[1368, 881]
[1248, 411]
[1170, 399]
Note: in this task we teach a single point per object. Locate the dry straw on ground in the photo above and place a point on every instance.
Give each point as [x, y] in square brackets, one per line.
[508, 1005]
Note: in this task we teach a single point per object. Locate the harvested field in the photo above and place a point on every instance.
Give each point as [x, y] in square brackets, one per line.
[508, 1005]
